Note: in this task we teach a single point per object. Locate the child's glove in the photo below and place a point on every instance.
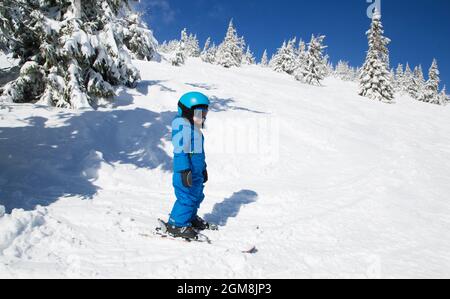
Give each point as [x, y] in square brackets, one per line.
[205, 176]
[186, 177]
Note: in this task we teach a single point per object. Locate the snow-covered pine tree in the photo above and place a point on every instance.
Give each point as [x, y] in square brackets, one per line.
[314, 68]
[419, 82]
[393, 81]
[264, 59]
[375, 79]
[231, 50]
[276, 60]
[162, 47]
[209, 52]
[192, 46]
[206, 46]
[432, 85]
[184, 37]
[72, 52]
[249, 57]
[329, 68]
[285, 60]
[399, 78]
[408, 81]
[302, 53]
[344, 72]
[178, 57]
[168, 47]
[443, 97]
[6, 25]
[138, 38]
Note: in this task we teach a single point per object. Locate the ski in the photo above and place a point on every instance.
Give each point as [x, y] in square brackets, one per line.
[162, 232]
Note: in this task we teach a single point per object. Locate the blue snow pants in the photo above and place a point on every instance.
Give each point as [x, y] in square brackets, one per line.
[189, 154]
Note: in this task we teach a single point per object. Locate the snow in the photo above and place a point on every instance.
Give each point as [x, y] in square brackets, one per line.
[6, 61]
[342, 186]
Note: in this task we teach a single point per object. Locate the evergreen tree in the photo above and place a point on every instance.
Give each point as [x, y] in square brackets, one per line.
[432, 85]
[264, 59]
[230, 51]
[163, 47]
[408, 81]
[285, 60]
[138, 38]
[249, 57]
[7, 20]
[184, 41]
[443, 97]
[72, 52]
[192, 46]
[209, 52]
[344, 72]
[302, 53]
[179, 56]
[206, 47]
[375, 79]
[329, 69]
[314, 68]
[399, 78]
[276, 61]
[419, 82]
[169, 47]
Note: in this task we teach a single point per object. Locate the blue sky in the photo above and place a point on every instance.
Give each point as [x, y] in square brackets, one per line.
[419, 29]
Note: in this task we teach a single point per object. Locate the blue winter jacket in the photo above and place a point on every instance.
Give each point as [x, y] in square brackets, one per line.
[188, 142]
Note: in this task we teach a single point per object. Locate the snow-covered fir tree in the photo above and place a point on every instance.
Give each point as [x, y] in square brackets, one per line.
[399, 78]
[264, 59]
[209, 52]
[7, 40]
[408, 81]
[231, 50]
[344, 72]
[314, 68]
[302, 53]
[375, 79]
[285, 60]
[432, 86]
[444, 99]
[249, 57]
[392, 75]
[168, 47]
[419, 84]
[138, 38]
[204, 54]
[73, 52]
[178, 57]
[192, 48]
[276, 60]
[162, 47]
[329, 68]
[206, 46]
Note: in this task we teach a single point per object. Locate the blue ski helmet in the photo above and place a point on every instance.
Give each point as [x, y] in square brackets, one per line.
[191, 101]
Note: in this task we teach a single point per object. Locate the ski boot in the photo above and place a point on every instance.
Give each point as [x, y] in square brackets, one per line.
[201, 225]
[188, 234]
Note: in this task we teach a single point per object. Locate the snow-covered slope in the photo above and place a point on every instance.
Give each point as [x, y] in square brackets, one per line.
[339, 186]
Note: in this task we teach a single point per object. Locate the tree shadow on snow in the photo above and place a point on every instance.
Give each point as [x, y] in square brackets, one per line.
[221, 105]
[145, 85]
[124, 98]
[202, 86]
[40, 164]
[230, 207]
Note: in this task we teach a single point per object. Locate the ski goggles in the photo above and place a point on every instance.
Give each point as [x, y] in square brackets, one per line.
[200, 113]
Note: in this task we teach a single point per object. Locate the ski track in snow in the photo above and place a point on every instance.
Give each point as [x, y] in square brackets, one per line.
[356, 188]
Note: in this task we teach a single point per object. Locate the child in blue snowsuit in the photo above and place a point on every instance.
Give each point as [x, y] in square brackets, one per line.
[190, 173]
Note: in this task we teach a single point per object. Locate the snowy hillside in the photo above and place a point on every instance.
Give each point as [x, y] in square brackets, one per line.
[339, 186]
